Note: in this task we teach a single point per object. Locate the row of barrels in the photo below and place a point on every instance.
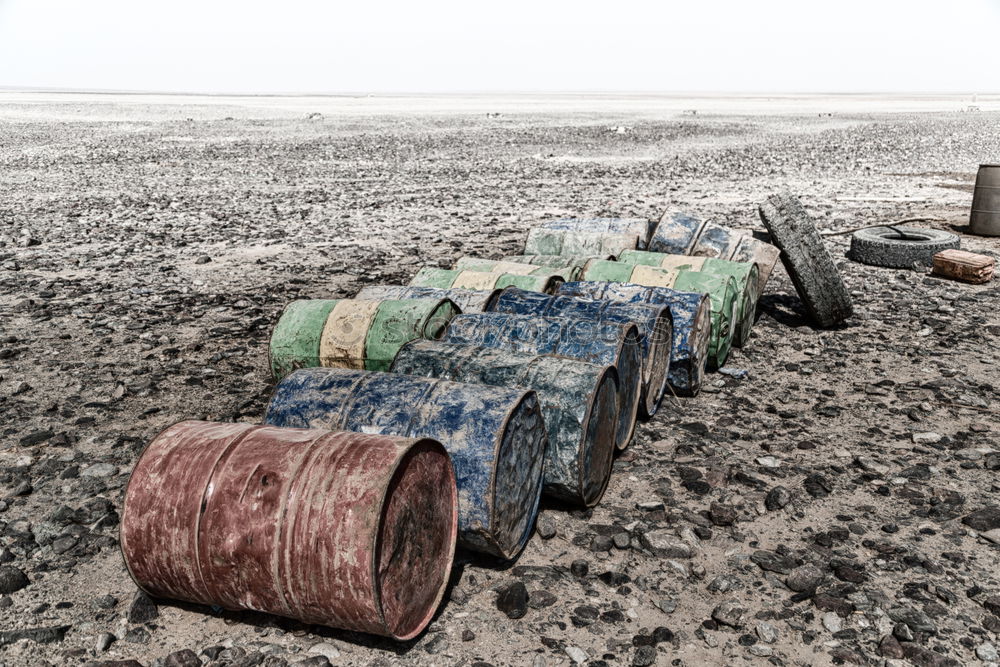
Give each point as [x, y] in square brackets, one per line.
[414, 418]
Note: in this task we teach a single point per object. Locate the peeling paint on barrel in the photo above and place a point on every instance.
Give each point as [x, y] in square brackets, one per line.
[764, 255]
[352, 333]
[654, 322]
[717, 241]
[347, 530]
[746, 275]
[564, 270]
[608, 343]
[579, 404]
[577, 262]
[483, 280]
[496, 438]
[691, 314]
[641, 227]
[542, 241]
[675, 233]
[467, 300]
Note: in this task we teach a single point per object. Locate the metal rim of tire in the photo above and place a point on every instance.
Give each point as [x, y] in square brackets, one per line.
[806, 259]
[899, 247]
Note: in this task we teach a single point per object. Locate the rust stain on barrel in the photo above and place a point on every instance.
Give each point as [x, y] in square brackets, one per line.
[349, 530]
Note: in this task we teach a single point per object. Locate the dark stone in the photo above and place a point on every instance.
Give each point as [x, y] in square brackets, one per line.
[889, 648]
[541, 598]
[468, 635]
[579, 568]
[817, 486]
[773, 562]
[992, 604]
[142, 609]
[777, 498]
[513, 600]
[644, 656]
[924, 657]
[35, 438]
[12, 579]
[804, 578]
[722, 515]
[39, 635]
[983, 520]
[183, 658]
[138, 635]
[584, 615]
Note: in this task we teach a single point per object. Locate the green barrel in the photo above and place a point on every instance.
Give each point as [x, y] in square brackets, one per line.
[483, 280]
[564, 270]
[352, 333]
[579, 403]
[557, 261]
[746, 274]
[722, 291]
[542, 241]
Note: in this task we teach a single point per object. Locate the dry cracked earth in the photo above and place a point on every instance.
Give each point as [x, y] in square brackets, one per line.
[838, 505]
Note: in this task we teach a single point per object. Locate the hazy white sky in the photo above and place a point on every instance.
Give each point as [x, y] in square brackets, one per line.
[304, 46]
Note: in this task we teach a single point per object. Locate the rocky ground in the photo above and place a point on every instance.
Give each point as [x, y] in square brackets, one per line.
[838, 505]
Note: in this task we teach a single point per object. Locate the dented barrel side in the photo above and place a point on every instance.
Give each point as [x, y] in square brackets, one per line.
[542, 241]
[640, 227]
[764, 255]
[563, 271]
[578, 399]
[484, 280]
[747, 277]
[717, 241]
[675, 233]
[347, 530]
[296, 337]
[496, 438]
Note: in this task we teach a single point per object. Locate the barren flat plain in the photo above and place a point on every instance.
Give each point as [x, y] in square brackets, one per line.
[835, 504]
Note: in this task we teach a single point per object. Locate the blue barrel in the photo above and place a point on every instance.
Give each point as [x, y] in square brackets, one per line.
[692, 320]
[579, 403]
[496, 438]
[638, 226]
[676, 233]
[654, 322]
[597, 342]
[468, 300]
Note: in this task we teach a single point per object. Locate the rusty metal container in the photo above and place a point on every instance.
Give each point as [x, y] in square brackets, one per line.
[467, 263]
[676, 233]
[655, 331]
[347, 530]
[579, 403]
[542, 241]
[484, 280]
[496, 438]
[746, 275]
[717, 241]
[640, 227]
[722, 290]
[692, 325]
[352, 333]
[467, 300]
[596, 342]
[965, 266]
[984, 220]
[556, 261]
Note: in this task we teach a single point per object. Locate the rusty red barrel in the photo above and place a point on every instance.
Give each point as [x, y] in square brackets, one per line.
[496, 438]
[347, 530]
[579, 403]
[468, 300]
[984, 219]
[654, 324]
[614, 344]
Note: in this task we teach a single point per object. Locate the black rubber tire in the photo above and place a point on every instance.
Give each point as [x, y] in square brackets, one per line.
[882, 246]
[806, 259]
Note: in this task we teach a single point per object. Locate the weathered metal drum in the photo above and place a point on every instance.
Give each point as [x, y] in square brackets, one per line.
[347, 530]
[496, 438]
[542, 241]
[676, 233]
[556, 261]
[746, 275]
[764, 255]
[722, 291]
[717, 241]
[352, 333]
[597, 342]
[564, 271]
[655, 331]
[467, 300]
[579, 403]
[984, 219]
[692, 325]
[641, 227]
[483, 280]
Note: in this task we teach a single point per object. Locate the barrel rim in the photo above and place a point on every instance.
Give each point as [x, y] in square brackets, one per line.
[422, 624]
[631, 331]
[608, 373]
[656, 392]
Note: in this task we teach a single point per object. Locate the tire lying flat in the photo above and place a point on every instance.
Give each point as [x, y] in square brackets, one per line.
[806, 259]
[886, 246]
